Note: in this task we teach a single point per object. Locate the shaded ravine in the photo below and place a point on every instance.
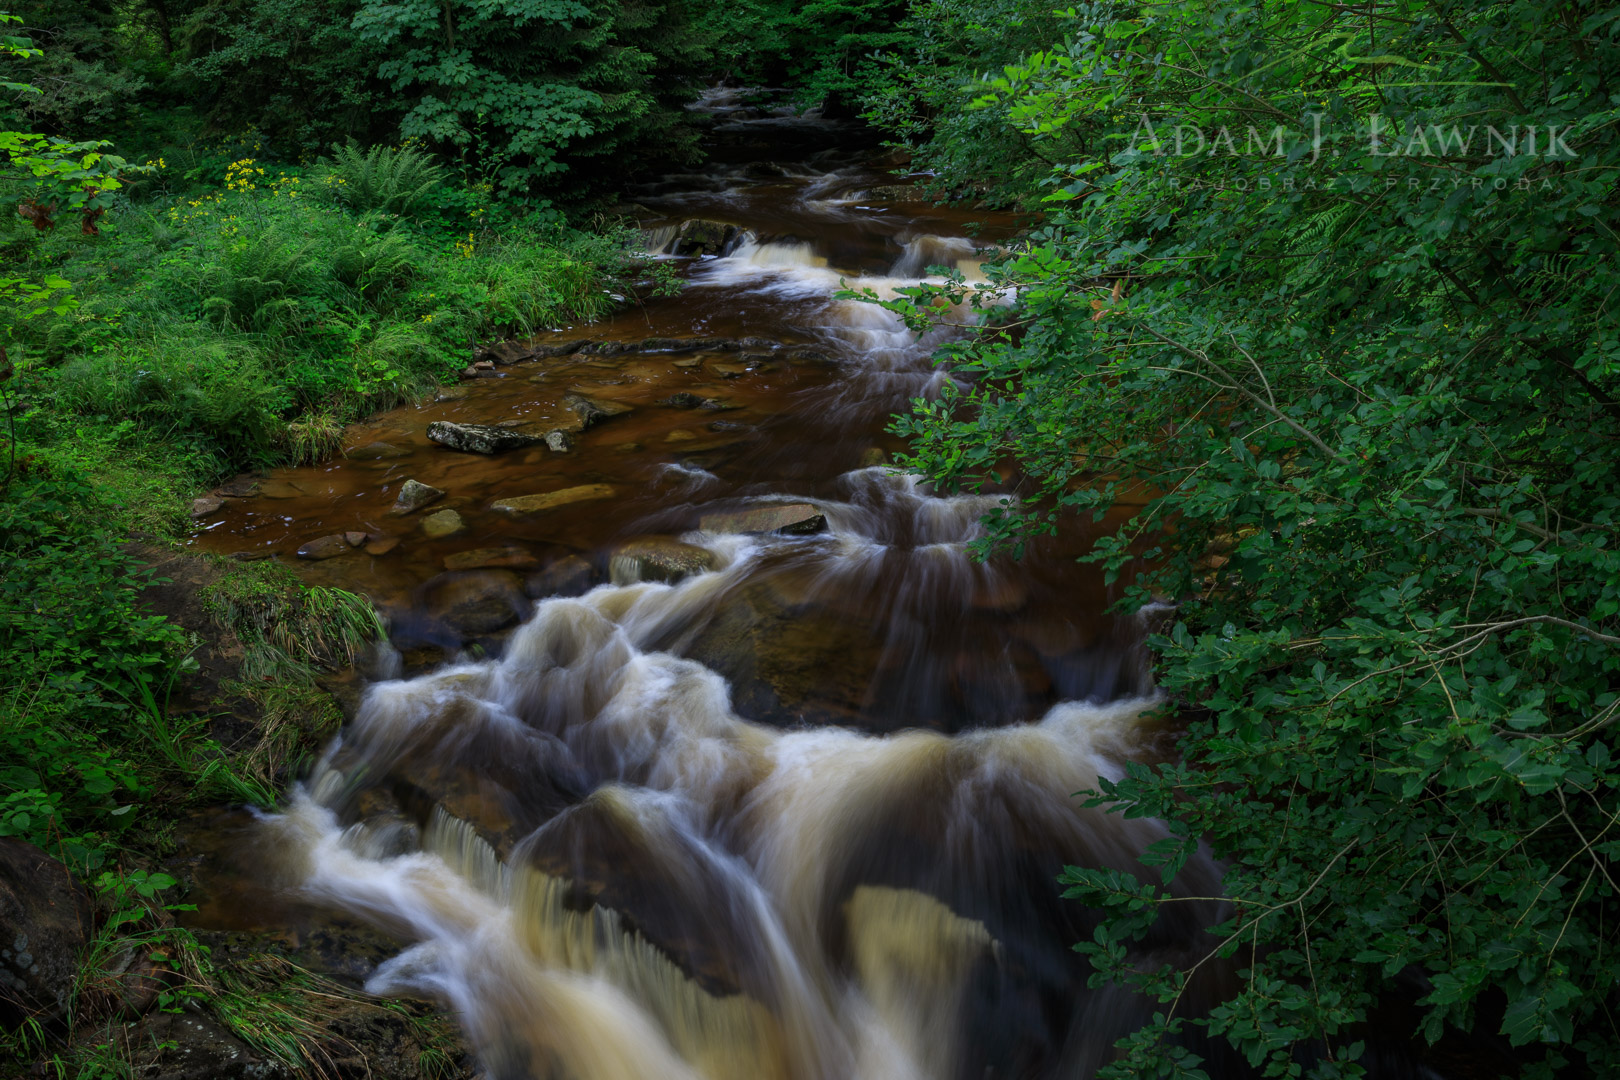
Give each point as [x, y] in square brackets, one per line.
[725, 803]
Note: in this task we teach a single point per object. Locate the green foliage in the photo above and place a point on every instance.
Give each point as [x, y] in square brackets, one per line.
[525, 91]
[384, 179]
[248, 325]
[1365, 381]
[84, 739]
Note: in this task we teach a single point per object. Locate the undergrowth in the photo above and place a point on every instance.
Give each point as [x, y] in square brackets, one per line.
[244, 324]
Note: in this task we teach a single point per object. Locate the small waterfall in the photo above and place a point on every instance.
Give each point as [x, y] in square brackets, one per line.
[799, 815]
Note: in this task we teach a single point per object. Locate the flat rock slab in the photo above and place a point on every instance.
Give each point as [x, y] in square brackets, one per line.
[534, 504]
[325, 547]
[793, 518]
[479, 438]
[489, 558]
[382, 545]
[444, 523]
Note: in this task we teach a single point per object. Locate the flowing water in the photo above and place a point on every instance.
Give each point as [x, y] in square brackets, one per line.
[798, 815]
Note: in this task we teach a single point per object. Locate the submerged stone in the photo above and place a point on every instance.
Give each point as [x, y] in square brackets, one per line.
[550, 500]
[444, 523]
[568, 576]
[486, 558]
[376, 451]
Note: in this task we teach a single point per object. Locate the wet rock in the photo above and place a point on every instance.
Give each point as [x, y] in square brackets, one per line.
[44, 926]
[483, 365]
[727, 425]
[355, 538]
[787, 662]
[558, 441]
[873, 456]
[250, 555]
[568, 576]
[792, 518]
[684, 400]
[730, 370]
[563, 348]
[205, 505]
[324, 547]
[629, 447]
[482, 373]
[413, 495]
[442, 524]
[681, 435]
[680, 345]
[194, 1046]
[382, 545]
[507, 352]
[593, 410]
[479, 438]
[238, 489]
[451, 393]
[657, 558]
[475, 602]
[688, 362]
[489, 558]
[715, 404]
[701, 237]
[534, 504]
[378, 451]
[808, 356]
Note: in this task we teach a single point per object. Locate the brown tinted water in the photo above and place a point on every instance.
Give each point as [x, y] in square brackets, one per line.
[796, 815]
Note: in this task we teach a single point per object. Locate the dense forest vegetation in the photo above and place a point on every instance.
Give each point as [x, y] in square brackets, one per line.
[1333, 284]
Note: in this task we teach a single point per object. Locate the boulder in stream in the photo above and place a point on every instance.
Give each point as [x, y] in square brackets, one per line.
[413, 495]
[594, 410]
[791, 518]
[558, 441]
[568, 576]
[657, 558]
[205, 505]
[479, 438]
[475, 602]
[701, 237]
[44, 926]
[550, 500]
[325, 547]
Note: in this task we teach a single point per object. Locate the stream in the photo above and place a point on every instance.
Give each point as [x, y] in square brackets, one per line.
[742, 767]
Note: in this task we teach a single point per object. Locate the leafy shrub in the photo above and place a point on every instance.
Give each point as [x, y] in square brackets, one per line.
[184, 390]
[78, 651]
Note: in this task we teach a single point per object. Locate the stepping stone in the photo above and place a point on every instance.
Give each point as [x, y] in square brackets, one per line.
[551, 500]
